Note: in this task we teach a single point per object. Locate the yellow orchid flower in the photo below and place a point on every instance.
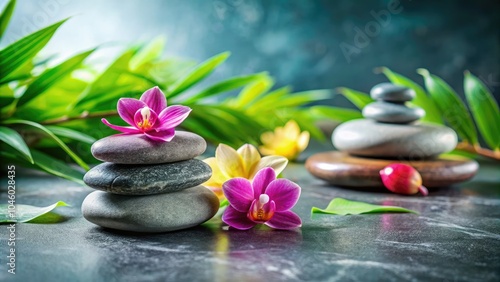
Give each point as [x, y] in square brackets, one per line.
[285, 141]
[244, 162]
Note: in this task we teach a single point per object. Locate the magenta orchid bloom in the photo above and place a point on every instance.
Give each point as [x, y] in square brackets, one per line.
[150, 116]
[266, 200]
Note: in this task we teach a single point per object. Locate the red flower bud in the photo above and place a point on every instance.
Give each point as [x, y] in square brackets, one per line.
[402, 179]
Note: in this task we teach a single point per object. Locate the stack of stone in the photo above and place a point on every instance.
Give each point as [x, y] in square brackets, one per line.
[391, 129]
[390, 132]
[149, 186]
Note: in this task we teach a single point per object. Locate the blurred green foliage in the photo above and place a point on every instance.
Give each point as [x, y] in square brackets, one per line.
[49, 116]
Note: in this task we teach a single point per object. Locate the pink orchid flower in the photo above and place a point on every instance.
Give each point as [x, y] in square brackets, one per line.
[266, 200]
[150, 116]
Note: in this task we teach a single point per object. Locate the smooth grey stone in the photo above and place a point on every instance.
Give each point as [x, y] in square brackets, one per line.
[409, 141]
[147, 179]
[154, 213]
[393, 93]
[138, 149]
[392, 113]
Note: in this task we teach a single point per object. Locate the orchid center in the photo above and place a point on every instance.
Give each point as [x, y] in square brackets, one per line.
[261, 210]
[145, 123]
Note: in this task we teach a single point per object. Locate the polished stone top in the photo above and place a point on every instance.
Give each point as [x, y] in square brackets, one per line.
[456, 237]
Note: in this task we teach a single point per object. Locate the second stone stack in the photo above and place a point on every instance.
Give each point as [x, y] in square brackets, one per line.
[149, 186]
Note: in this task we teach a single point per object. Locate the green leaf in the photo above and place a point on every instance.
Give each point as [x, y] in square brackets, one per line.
[252, 91]
[359, 99]
[289, 100]
[13, 139]
[56, 167]
[340, 206]
[484, 109]
[432, 113]
[19, 52]
[27, 213]
[267, 101]
[225, 86]
[52, 76]
[106, 82]
[453, 109]
[223, 203]
[197, 74]
[5, 16]
[61, 144]
[72, 134]
[335, 113]
[148, 53]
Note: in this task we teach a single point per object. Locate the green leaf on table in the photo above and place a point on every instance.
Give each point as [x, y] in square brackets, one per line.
[453, 109]
[484, 109]
[18, 53]
[359, 99]
[340, 206]
[5, 16]
[432, 113]
[197, 74]
[225, 86]
[27, 213]
[61, 144]
[52, 76]
[14, 139]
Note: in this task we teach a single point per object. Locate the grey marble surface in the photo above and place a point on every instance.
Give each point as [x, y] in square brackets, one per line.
[456, 237]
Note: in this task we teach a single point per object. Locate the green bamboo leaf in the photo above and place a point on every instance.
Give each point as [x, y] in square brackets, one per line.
[453, 109]
[46, 163]
[197, 74]
[432, 113]
[289, 100]
[61, 144]
[340, 206]
[484, 109]
[27, 213]
[52, 76]
[106, 82]
[266, 101]
[23, 50]
[225, 86]
[252, 91]
[14, 139]
[302, 98]
[335, 113]
[359, 99]
[72, 134]
[148, 53]
[5, 16]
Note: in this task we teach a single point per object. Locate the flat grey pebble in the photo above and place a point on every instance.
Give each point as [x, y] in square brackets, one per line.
[138, 149]
[393, 93]
[392, 112]
[147, 179]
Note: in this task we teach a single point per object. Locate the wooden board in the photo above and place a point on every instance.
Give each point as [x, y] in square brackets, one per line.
[342, 169]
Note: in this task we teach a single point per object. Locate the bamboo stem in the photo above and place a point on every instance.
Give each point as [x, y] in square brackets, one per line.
[84, 115]
[464, 146]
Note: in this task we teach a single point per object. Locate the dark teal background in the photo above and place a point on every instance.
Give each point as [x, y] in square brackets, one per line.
[298, 42]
